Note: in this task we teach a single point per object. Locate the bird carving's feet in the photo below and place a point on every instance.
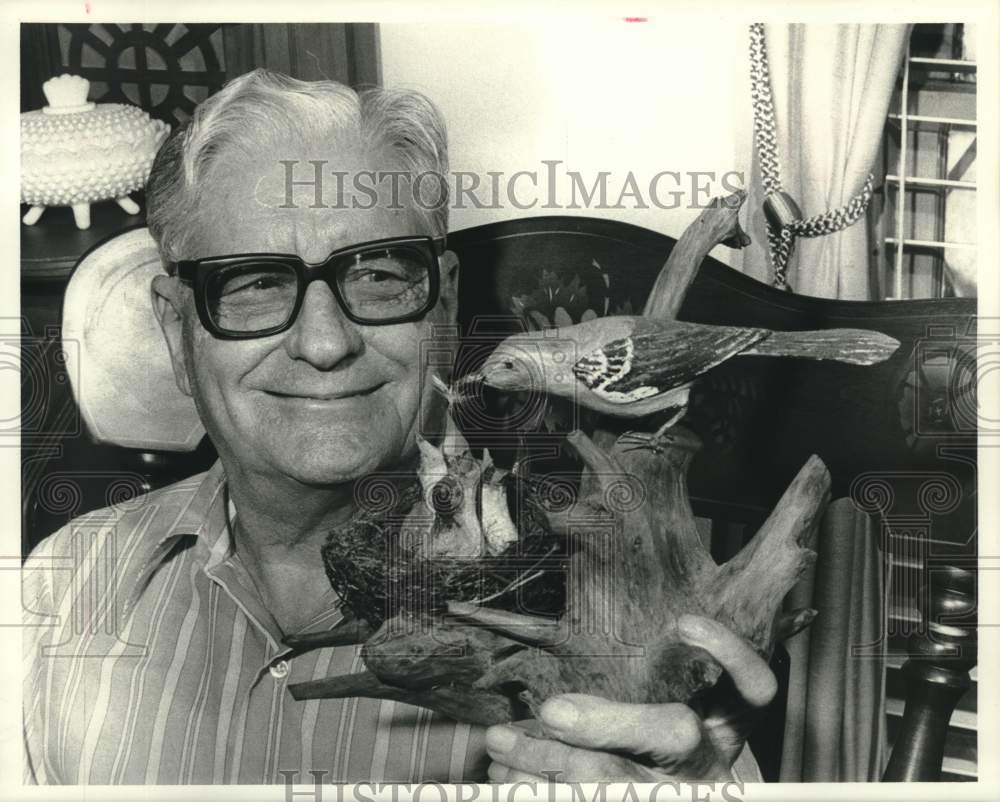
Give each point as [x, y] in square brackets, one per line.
[657, 441]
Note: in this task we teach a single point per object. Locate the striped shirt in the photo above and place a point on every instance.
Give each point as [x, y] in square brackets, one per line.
[150, 658]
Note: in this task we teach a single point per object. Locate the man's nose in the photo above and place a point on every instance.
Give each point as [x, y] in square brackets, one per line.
[322, 335]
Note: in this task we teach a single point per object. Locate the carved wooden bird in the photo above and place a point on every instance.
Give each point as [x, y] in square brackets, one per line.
[636, 366]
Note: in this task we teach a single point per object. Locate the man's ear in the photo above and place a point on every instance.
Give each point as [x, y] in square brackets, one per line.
[449, 284]
[168, 304]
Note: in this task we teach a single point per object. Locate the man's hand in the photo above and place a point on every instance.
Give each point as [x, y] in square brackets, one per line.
[586, 738]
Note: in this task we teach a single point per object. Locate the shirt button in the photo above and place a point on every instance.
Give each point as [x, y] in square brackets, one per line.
[280, 669]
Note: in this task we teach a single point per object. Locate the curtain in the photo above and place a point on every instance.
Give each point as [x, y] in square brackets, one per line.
[831, 85]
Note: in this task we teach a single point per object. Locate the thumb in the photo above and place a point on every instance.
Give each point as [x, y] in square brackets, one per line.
[750, 673]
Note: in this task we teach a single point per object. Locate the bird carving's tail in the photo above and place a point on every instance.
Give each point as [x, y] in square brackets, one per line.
[854, 346]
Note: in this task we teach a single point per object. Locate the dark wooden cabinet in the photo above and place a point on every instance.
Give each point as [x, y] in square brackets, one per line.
[168, 68]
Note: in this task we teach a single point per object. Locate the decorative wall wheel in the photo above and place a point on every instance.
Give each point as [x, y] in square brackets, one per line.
[166, 69]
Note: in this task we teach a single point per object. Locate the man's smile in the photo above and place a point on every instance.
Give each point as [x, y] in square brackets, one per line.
[324, 396]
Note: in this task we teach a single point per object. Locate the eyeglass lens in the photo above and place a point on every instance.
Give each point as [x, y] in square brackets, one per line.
[375, 285]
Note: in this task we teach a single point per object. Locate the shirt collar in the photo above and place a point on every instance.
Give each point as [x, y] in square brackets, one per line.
[200, 511]
[192, 509]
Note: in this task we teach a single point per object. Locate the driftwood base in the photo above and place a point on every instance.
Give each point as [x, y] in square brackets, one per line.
[637, 564]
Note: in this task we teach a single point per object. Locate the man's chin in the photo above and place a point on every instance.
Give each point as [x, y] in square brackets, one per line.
[326, 461]
[320, 476]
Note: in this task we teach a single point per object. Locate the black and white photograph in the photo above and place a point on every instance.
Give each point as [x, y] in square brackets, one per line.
[659, 474]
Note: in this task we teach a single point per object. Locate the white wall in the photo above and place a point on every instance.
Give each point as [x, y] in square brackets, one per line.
[599, 95]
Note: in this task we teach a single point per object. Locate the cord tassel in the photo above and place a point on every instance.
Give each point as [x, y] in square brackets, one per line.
[784, 218]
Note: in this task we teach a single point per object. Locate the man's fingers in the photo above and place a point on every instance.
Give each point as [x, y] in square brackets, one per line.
[665, 732]
[752, 676]
[587, 736]
[514, 748]
[581, 729]
[499, 773]
[521, 754]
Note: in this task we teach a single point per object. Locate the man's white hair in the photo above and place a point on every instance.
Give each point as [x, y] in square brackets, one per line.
[268, 108]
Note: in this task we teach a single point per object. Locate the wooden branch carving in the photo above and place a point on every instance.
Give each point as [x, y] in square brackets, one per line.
[629, 560]
[717, 224]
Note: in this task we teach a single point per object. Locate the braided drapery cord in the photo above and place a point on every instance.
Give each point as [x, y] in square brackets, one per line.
[784, 220]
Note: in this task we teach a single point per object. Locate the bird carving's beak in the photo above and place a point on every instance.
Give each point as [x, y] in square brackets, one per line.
[503, 372]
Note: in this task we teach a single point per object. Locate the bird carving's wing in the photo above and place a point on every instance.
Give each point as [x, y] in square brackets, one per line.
[659, 356]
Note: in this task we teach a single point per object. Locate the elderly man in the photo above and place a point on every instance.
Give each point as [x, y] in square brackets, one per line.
[294, 314]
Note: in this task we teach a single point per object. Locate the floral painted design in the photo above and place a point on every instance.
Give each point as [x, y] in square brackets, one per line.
[555, 302]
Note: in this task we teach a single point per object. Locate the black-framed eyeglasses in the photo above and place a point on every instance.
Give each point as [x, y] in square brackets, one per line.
[377, 283]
